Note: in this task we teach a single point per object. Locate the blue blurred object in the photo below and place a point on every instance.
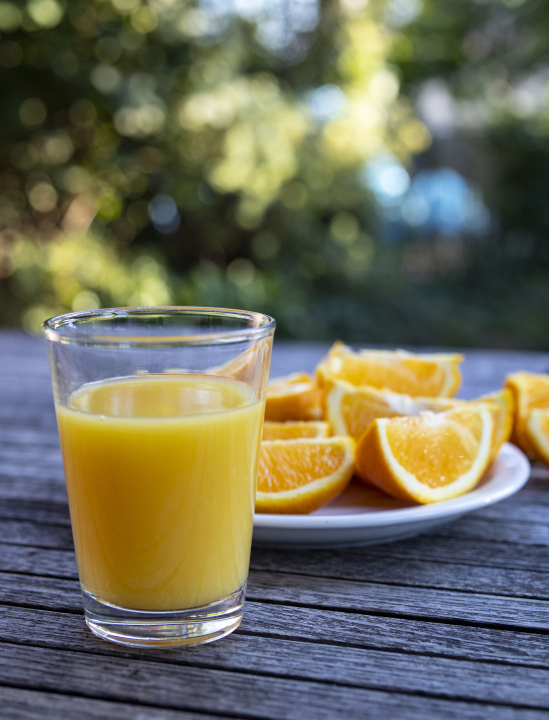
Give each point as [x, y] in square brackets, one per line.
[387, 178]
[327, 102]
[164, 214]
[434, 201]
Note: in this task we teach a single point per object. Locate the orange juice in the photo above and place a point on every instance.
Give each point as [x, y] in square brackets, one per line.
[161, 474]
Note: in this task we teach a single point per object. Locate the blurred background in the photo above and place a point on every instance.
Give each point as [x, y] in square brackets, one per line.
[373, 171]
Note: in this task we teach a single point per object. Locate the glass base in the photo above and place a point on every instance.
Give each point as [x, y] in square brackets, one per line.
[142, 628]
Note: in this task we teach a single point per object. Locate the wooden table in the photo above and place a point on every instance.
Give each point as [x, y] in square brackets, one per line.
[452, 624]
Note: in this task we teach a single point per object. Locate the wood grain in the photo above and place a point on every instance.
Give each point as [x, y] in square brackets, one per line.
[451, 624]
[281, 658]
[19, 704]
[439, 546]
[328, 626]
[202, 689]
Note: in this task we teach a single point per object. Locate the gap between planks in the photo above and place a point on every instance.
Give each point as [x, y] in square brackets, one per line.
[431, 548]
[341, 596]
[18, 704]
[334, 685]
[467, 580]
[473, 527]
[291, 623]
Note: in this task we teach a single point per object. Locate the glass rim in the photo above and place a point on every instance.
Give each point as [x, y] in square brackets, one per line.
[61, 328]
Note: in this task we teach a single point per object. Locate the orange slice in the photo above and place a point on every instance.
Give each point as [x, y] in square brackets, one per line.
[428, 458]
[298, 476]
[531, 392]
[400, 371]
[350, 409]
[503, 404]
[294, 397]
[294, 430]
[537, 432]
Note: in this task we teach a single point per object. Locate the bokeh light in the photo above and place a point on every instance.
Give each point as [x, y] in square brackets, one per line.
[348, 166]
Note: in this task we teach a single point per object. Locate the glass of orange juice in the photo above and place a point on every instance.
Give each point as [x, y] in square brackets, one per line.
[160, 415]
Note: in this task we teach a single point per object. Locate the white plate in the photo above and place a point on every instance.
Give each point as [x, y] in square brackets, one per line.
[364, 516]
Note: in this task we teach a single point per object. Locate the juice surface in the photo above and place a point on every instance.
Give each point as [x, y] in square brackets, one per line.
[161, 474]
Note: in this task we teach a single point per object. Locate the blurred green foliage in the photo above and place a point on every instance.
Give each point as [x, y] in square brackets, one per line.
[242, 131]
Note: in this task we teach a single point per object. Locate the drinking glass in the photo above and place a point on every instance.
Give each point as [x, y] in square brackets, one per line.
[160, 415]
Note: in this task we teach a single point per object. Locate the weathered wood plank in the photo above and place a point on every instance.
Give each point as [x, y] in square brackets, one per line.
[368, 568]
[25, 416]
[328, 626]
[28, 437]
[56, 629]
[17, 367]
[451, 548]
[21, 469]
[34, 389]
[476, 527]
[30, 455]
[40, 592]
[361, 567]
[379, 632]
[361, 564]
[346, 609]
[325, 593]
[461, 536]
[37, 561]
[242, 694]
[50, 489]
[18, 393]
[455, 548]
[35, 511]
[38, 535]
[349, 666]
[520, 511]
[477, 609]
[19, 704]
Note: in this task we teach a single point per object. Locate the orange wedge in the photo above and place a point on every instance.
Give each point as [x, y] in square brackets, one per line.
[294, 430]
[294, 397]
[502, 407]
[537, 432]
[299, 476]
[350, 409]
[435, 375]
[428, 458]
[503, 404]
[531, 392]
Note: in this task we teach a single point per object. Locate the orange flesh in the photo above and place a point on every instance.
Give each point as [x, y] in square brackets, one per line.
[449, 453]
[531, 392]
[428, 458]
[403, 376]
[294, 401]
[359, 414]
[286, 468]
[294, 430]
[544, 424]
